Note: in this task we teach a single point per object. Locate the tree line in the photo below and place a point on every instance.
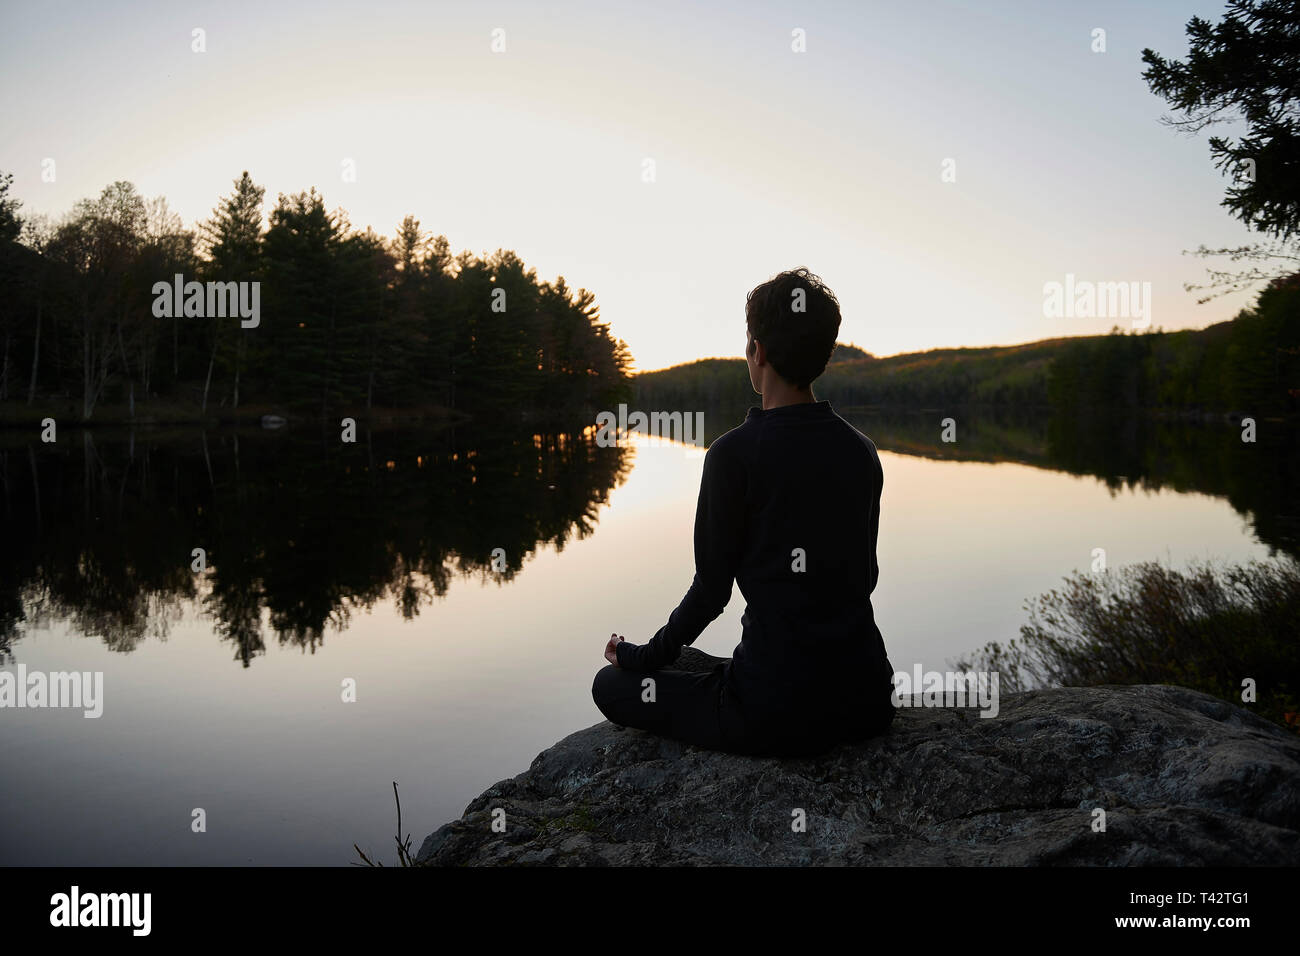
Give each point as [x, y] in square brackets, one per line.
[1249, 365]
[349, 320]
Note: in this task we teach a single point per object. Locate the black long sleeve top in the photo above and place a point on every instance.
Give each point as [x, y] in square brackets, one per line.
[789, 508]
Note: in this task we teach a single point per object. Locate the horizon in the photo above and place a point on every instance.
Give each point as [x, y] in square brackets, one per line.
[937, 348]
[771, 157]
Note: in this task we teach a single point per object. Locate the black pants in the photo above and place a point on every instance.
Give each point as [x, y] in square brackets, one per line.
[697, 708]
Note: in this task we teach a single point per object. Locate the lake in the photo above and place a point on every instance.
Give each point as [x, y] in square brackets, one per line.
[374, 566]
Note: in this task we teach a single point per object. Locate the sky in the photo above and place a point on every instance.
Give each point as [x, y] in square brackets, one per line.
[666, 156]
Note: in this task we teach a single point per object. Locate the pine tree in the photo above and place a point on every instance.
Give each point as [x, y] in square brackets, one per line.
[234, 237]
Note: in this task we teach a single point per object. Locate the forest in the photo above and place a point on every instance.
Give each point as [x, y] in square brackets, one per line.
[351, 322]
[1247, 366]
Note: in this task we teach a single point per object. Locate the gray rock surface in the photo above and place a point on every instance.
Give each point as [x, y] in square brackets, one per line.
[1184, 780]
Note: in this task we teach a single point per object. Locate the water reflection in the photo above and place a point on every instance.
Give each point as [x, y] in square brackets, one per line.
[1260, 479]
[298, 531]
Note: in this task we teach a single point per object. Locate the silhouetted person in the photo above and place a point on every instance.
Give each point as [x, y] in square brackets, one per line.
[789, 508]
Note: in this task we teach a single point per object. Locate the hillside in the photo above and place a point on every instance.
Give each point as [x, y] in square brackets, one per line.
[1249, 365]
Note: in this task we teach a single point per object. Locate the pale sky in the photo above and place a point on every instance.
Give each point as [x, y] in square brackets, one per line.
[764, 158]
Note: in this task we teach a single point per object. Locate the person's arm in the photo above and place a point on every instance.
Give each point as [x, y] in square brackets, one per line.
[719, 544]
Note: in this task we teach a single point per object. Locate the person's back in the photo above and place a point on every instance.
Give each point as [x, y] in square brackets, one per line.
[810, 646]
[789, 508]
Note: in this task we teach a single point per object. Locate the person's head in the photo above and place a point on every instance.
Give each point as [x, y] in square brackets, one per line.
[793, 321]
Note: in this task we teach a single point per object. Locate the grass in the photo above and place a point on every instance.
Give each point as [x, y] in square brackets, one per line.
[1212, 629]
[404, 855]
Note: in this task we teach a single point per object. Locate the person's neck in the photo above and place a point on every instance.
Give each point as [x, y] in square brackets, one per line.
[776, 396]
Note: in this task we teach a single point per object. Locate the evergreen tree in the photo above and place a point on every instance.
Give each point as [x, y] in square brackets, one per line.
[234, 237]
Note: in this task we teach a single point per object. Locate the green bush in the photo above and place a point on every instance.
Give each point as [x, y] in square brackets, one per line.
[1208, 629]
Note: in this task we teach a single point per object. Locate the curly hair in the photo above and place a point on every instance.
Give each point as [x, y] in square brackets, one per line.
[797, 319]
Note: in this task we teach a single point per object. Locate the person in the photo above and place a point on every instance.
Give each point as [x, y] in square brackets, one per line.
[789, 508]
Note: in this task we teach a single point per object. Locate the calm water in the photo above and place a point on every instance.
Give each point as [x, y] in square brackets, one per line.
[374, 563]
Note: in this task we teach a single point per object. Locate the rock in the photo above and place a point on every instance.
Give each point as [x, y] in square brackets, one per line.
[1184, 780]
